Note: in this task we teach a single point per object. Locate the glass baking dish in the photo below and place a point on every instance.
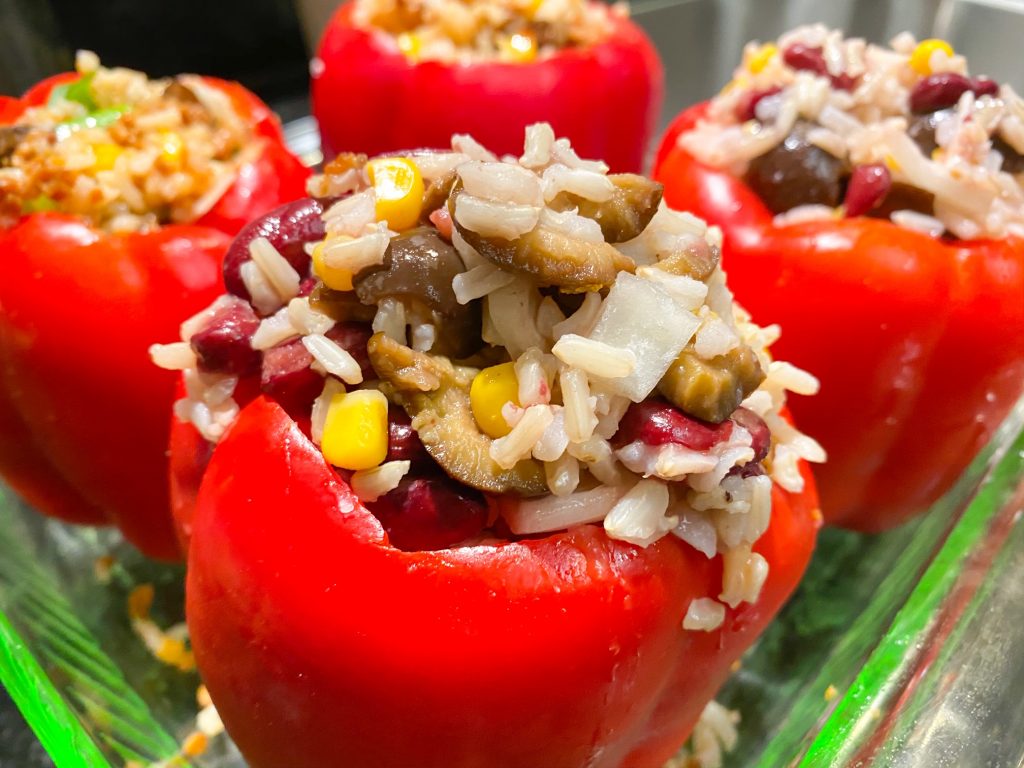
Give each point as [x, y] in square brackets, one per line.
[897, 649]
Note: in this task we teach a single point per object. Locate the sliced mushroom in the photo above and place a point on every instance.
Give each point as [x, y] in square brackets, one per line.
[549, 257]
[797, 172]
[698, 260]
[626, 214]
[10, 137]
[341, 306]
[436, 195]
[420, 266]
[178, 91]
[435, 394]
[711, 389]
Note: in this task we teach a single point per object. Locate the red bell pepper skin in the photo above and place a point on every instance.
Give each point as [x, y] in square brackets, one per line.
[918, 342]
[368, 97]
[323, 645]
[83, 412]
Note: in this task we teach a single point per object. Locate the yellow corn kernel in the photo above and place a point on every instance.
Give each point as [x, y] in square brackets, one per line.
[194, 744]
[532, 6]
[490, 390]
[172, 150]
[173, 652]
[519, 48]
[106, 155]
[337, 278]
[140, 600]
[356, 429]
[399, 188]
[759, 60]
[921, 58]
[410, 45]
[891, 163]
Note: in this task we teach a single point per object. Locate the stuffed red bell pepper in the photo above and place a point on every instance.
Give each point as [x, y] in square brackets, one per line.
[511, 483]
[118, 198]
[393, 75]
[872, 204]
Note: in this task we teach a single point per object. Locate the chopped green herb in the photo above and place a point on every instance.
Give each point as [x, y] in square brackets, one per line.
[81, 91]
[39, 204]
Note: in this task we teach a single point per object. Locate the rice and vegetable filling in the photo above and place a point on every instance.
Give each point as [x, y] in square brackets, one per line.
[123, 151]
[494, 348]
[821, 126]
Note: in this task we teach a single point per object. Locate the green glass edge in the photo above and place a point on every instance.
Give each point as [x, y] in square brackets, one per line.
[931, 680]
[53, 722]
[99, 708]
[853, 713]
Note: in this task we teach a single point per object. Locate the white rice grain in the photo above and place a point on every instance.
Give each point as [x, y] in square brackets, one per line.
[279, 273]
[494, 219]
[371, 484]
[586, 184]
[704, 614]
[177, 356]
[390, 319]
[471, 148]
[600, 460]
[743, 574]
[335, 359]
[792, 378]
[639, 516]
[555, 513]
[519, 443]
[273, 330]
[581, 322]
[501, 182]
[479, 281]
[318, 418]
[357, 254]
[306, 319]
[264, 298]
[594, 357]
[562, 475]
[352, 215]
[540, 140]
[554, 441]
[687, 292]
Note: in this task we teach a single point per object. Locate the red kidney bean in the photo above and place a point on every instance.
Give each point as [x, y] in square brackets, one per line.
[429, 513]
[353, 337]
[287, 378]
[812, 59]
[224, 345]
[983, 86]
[761, 436]
[867, 188]
[656, 422]
[746, 109]
[944, 90]
[288, 228]
[403, 442]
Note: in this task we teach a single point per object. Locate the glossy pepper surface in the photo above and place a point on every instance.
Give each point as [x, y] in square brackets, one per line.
[321, 644]
[369, 97]
[83, 412]
[918, 342]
